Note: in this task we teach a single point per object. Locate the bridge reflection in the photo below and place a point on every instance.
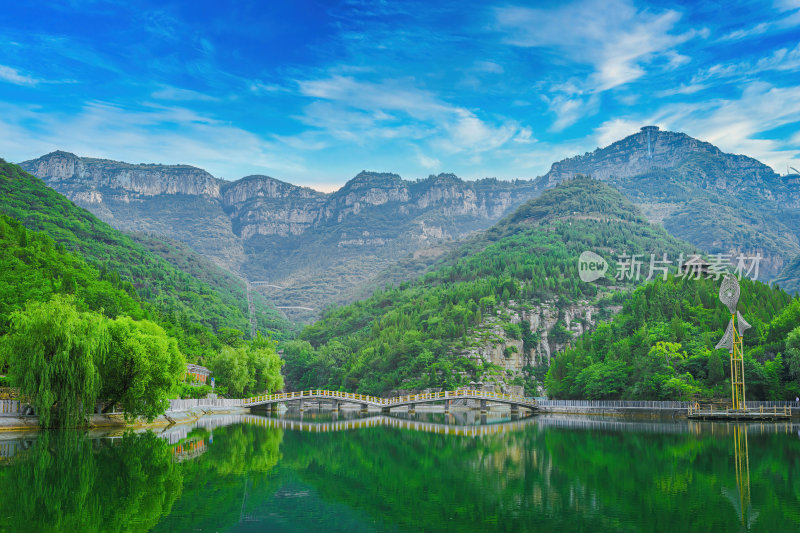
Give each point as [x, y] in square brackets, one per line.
[177, 434]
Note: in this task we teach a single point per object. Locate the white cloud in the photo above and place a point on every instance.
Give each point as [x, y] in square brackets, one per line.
[428, 162]
[570, 109]
[613, 130]
[177, 94]
[736, 35]
[792, 10]
[683, 89]
[325, 187]
[258, 86]
[612, 36]
[783, 59]
[489, 66]
[524, 136]
[12, 75]
[740, 125]
[145, 134]
[537, 161]
[787, 5]
[360, 111]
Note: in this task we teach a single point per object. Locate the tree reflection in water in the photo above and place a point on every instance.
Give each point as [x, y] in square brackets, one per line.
[549, 473]
[67, 482]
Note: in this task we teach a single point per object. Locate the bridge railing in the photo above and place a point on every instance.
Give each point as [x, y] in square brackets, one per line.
[653, 404]
[312, 393]
[750, 408]
[190, 403]
[409, 398]
[616, 404]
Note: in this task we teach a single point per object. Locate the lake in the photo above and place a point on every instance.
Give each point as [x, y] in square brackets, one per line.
[323, 472]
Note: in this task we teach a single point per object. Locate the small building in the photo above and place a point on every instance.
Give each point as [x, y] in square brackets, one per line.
[196, 374]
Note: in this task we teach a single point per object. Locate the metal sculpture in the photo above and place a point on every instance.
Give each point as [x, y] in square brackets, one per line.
[729, 293]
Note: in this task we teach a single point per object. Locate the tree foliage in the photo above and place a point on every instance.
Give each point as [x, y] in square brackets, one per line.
[248, 367]
[663, 343]
[142, 367]
[190, 299]
[53, 351]
[65, 360]
[68, 483]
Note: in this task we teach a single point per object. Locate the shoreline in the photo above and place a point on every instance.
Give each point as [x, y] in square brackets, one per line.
[27, 423]
[117, 420]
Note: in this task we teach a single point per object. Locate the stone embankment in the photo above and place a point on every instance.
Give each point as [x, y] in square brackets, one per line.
[15, 416]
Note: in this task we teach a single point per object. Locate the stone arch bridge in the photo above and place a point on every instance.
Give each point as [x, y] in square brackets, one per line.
[386, 404]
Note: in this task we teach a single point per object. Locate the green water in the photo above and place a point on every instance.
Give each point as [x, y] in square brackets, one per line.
[546, 473]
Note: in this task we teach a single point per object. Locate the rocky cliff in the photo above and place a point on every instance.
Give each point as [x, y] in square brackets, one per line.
[649, 149]
[317, 247]
[131, 181]
[541, 336]
[320, 248]
[260, 205]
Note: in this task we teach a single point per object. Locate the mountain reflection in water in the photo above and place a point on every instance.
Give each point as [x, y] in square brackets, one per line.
[424, 472]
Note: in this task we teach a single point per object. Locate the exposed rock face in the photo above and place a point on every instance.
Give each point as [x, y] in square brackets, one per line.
[260, 205]
[320, 246]
[137, 180]
[650, 148]
[494, 345]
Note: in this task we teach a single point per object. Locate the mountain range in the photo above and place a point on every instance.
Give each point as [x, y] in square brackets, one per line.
[312, 249]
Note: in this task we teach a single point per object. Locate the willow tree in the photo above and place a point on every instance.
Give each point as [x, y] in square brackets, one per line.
[249, 368]
[265, 365]
[141, 368]
[52, 350]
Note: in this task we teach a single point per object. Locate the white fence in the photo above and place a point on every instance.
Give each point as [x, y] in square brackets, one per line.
[614, 404]
[646, 404]
[183, 405]
[13, 408]
[18, 408]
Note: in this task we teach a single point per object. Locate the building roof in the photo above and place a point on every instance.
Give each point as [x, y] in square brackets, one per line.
[197, 369]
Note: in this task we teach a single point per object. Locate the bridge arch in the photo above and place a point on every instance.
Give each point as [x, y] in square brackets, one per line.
[386, 404]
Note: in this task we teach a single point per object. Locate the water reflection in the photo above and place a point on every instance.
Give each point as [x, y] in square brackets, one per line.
[424, 472]
[66, 482]
[741, 502]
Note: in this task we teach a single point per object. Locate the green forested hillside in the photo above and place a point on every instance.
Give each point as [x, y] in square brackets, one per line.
[231, 288]
[189, 308]
[35, 267]
[412, 336]
[661, 346]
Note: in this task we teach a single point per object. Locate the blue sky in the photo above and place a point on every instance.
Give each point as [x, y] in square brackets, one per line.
[314, 92]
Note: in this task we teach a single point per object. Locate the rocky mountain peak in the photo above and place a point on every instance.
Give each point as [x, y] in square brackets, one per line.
[650, 148]
[133, 180]
[370, 180]
[444, 178]
[258, 186]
